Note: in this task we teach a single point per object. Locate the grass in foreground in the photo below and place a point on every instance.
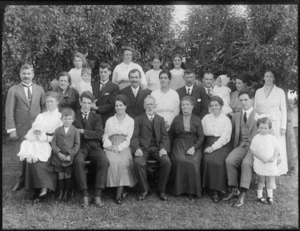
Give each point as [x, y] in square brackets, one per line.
[177, 213]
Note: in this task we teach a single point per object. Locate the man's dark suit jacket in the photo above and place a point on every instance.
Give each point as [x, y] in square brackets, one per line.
[93, 129]
[106, 99]
[135, 106]
[201, 100]
[68, 143]
[142, 134]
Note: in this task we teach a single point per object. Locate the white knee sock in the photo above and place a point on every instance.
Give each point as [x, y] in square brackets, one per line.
[270, 192]
[259, 193]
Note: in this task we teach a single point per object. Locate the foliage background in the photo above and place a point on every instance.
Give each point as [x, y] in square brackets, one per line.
[224, 38]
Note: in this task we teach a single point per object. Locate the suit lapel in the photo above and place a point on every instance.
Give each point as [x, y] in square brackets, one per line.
[34, 93]
[156, 127]
[146, 121]
[79, 119]
[22, 94]
[238, 126]
[252, 122]
[105, 89]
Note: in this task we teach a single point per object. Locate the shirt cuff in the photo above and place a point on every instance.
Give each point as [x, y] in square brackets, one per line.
[11, 130]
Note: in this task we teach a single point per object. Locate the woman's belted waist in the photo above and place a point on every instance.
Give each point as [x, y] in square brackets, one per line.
[49, 134]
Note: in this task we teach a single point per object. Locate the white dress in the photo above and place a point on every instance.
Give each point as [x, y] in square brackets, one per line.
[264, 147]
[33, 149]
[177, 80]
[167, 104]
[120, 74]
[152, 77]
[75, 76]
[224, 93]
[84, 86]
[120, 171]
[275, 105]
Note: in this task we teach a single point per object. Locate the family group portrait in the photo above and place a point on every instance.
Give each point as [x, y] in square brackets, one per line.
[150, 116]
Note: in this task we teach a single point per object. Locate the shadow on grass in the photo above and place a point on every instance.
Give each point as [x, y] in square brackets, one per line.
[176, 213]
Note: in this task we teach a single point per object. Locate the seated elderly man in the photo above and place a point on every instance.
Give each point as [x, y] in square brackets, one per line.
[150, 138]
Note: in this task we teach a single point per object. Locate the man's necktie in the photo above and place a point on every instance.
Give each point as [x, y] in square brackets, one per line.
[84, 118]
[208, 92]
[102, 86]
[189, 91]
[151, 118]
[245, 117]
[29, 96]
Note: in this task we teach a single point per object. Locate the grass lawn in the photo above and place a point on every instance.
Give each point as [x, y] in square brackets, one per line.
[177, 213]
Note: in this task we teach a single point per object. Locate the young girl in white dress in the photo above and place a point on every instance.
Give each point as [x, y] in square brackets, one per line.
[221, 90]
[177, 72]
[79, 62]
[265, 149]
[36, 145]
[85, 83]
[152, 76]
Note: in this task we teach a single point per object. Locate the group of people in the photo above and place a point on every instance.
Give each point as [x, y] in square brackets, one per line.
[200, 134]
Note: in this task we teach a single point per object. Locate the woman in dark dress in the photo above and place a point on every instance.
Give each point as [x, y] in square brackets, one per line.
[69, 97]
[186, 136]
[217, 130]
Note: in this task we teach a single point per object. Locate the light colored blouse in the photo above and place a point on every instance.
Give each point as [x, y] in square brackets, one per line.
[219, 127]
[177, 80]
[152, 77]
[121, 71]
[113, 126]
[75, 77]
[167, 104]
[224, 93]
[274, 104]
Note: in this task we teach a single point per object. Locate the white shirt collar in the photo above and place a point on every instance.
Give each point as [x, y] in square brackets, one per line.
[149, 116]
[28, 85]
[103, 82]
[248, 112]
[191, 88]
[135, 89]
[85, 113]
[66, 129]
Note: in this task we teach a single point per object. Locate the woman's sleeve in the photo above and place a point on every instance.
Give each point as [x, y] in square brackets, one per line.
[105, 138]
[37, 124]
[283, 110]
[126, 142]
[256, 101]
[148, 76]
[199, 135]
[226, 130]
[176, 104]
[143, 77]
[115, 75]
[54, 146]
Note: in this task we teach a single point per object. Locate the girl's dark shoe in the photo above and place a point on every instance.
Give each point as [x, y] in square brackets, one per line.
[118, 200]
[262, 200]
[215, 198]
[270, 200]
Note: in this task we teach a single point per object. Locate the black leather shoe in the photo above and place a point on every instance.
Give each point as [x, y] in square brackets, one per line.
[142, 196]
[123, 195]
[233, 194]
[118, 200]
[215, 198]
[162, 196]
[98, 202]
[191, 197]
[18, 186]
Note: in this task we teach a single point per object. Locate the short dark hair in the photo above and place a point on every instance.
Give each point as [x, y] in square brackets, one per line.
[208, 72]
[189, 98]
[264, 120]
[218, 99]
[133, 71]
[87, 94]
[105, 65]
[248, 92]
[188, 71]
[67, 112]
[122, 98]
[64, 73]
[165, 72]
[127, 48]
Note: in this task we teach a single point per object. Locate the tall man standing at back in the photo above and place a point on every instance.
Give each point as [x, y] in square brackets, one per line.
[105, 92]
[208, 80]
[24, 102]
[198, 92]
[135, 94]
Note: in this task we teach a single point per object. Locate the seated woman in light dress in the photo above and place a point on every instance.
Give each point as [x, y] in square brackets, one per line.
[36, 148]
[116, 140]
[152, 75]
[167, 100]
[221, 90]
[177, 72]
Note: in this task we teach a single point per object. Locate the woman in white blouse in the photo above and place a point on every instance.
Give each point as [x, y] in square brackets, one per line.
[116, 140]
[120, 73]
[270, 99]
[177, 73]
[217, 130]
[167, 100]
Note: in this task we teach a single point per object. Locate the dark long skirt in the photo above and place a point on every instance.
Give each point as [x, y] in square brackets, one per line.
[40, 175]
[214, 168]
[185, 175]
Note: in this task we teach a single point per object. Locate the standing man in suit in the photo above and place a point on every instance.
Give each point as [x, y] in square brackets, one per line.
[198, 92]
[105, 93]
[24, 102]
[208, 80]
[90, 128]
[135, 94]
[150, 138]
[243, 130]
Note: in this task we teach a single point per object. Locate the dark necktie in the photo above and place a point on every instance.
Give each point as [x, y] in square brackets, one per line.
[208, 92]
[189, 91]
[29, 96]
[102, 86]
[245, 117]
[84, 118]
